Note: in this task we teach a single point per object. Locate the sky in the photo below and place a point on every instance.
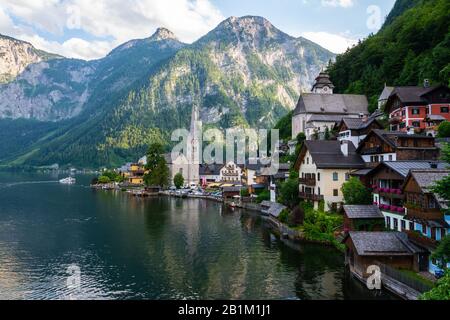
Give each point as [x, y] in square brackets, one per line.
[89, 29]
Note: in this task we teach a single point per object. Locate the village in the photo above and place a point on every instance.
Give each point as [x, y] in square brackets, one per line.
[370, 177]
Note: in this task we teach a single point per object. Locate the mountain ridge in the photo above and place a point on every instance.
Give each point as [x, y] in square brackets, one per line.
[245, 72]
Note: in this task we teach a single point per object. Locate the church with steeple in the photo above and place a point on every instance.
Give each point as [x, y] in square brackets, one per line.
[194, 148]
[321, 109]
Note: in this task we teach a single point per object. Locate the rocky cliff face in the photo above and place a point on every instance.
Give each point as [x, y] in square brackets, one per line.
[245, 73]
[16, 55]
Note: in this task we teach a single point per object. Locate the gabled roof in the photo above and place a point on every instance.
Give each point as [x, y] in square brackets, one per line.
[413, 95]
[426, 179]
[383, 244]
[363, 212]
[359, 123]
[328, 155]
[387, 91]
[391, 137]
[404, 167]
[345, 104]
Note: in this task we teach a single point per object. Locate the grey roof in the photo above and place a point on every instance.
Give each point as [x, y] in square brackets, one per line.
[383, 243]
[435, 117]
[363, 212]
[210, 169]
[361, 172]
[328, 154]
[274, 209]
[336, 104]
[427, 178]
[404, 167]
[387, 91]
[322, 80]
[231, 189]
[412, 94]
[391, 138]
[358, 123]
[326, 118]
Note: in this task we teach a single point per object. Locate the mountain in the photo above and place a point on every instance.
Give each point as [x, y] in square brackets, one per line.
[413, 45]
[245, 72]
[16, 55]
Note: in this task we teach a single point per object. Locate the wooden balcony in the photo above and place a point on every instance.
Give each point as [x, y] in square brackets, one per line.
[310, 182]
[422, 213]
[310, 196]
[395, 120]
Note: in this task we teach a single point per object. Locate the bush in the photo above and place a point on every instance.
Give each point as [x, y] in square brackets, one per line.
[178, 180]
[444, 130]
[355, 193]
[284, 216]
[263, 196]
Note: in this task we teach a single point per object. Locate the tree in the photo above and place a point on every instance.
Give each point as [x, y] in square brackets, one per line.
[441, 291]
[444, 130]
[104, 180]
[442, 253]
[178, 180]
[157, 166]
[355, 193]
[327, 135]
[289, 191]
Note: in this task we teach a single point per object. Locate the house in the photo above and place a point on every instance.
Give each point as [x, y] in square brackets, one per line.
[380, 145]
[363, 218]
[209, 173]
[231, 172]
[229, 193]
[386, 181]
[382, 100]
[356, 129]
[426, 209]
[393, 249]
[408, 107]
[135, 175]
[321, 110]
[324, 166]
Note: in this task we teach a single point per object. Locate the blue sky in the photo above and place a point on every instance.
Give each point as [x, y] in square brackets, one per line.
[89, 29]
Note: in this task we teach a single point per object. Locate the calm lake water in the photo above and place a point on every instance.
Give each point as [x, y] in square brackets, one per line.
[163, 248]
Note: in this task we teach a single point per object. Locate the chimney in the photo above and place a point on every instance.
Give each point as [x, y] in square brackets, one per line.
[365, 118]
[344, 148]
[426, 83]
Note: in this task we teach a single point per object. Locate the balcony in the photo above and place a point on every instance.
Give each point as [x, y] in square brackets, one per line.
[372, 150]
[392, 209]
[389, 192]
[310, 196]
[310, 182]
[418, 212]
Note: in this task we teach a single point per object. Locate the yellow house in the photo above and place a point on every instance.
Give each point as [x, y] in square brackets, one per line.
[323, 167]
[136, 180]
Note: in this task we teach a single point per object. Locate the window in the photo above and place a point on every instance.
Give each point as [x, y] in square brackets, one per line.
[318, 176]
[336, 193]
[444, 109]
[395, 224]
[388, 222]
[416, 124]
[347, 176]
[403, 225]
[390, 157]
[415, 111]
[318, 191]
[335, 176]
[307, 160]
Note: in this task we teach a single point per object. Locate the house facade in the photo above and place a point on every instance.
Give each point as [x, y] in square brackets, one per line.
[426, 210]
[232, 173]
[380, 145]
[386, 182]
[320, 110]
[324, 166]
[408, 107]
[356, 130]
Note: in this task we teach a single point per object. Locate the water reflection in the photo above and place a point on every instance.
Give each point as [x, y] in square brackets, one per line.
[160, 248]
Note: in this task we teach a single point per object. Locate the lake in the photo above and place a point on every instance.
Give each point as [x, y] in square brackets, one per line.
[160, 248]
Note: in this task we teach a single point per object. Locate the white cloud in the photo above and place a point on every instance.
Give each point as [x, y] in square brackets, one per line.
[338, 3]
[115, 20]
[334, 42]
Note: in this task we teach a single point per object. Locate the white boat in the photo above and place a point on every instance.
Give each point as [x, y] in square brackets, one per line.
[68, 180]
